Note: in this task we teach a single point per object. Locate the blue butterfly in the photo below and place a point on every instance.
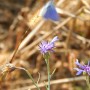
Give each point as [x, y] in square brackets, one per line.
[49, 12]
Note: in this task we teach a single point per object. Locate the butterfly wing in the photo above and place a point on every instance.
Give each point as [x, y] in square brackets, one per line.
[51, 13]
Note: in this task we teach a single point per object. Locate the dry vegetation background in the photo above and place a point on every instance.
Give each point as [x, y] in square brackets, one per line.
[19, 21]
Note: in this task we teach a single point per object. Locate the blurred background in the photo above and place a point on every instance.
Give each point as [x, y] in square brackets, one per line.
[21, 25]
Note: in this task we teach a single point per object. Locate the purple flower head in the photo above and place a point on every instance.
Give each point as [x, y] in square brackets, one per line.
[48, 46]
[82, 68]
[49, 11]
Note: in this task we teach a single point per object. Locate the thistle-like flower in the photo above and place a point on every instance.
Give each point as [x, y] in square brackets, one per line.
[82, 68]
[47, 46]
[49, 11]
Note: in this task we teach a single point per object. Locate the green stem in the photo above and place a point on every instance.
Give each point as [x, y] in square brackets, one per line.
[87, 81]
[30, 77]
[48, 68]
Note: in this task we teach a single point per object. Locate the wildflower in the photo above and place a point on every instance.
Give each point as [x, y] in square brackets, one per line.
[49, 11]
[47, 46]
[82, 68]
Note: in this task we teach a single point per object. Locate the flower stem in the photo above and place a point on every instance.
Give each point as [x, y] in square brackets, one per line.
[30, 77]
[48, 69]
[87, 81]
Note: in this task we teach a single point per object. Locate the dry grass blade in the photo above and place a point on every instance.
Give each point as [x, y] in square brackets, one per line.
[31, 34]
[59, 81]
[86, 3]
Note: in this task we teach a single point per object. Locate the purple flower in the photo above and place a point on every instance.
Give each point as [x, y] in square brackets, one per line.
[48, 46]
[82, 68]
[49, 11]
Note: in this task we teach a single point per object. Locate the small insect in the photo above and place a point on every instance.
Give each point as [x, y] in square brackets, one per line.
[49, 11]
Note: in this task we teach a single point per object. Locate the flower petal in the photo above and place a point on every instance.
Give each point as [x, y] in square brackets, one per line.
[77, 62]
[79, 71]
[54, 39]
[44, 43]
[80, 65]
[45, 47]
